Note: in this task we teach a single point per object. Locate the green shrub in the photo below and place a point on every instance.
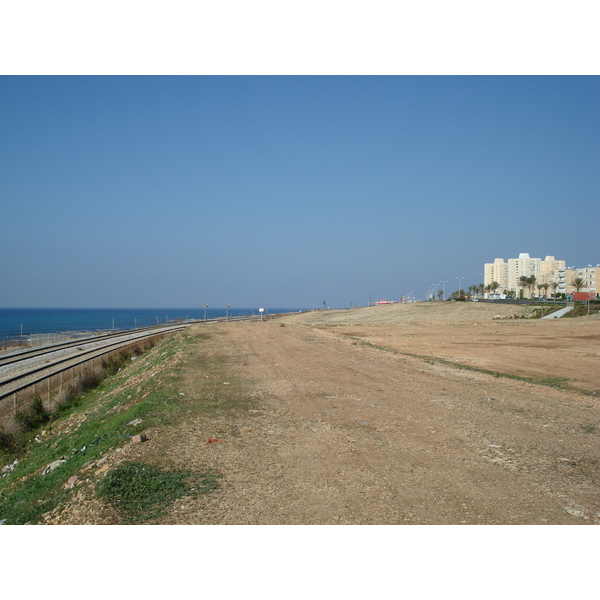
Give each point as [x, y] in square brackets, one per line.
[34, 416]
[142, 492]
[11, 442]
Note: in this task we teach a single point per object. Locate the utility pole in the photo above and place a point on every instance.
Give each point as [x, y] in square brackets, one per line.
[459, 278]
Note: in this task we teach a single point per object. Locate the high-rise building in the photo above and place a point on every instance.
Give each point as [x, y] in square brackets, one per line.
[496, 271]
[551, 271]
[524, 266]
[508, 274]
[550, 264]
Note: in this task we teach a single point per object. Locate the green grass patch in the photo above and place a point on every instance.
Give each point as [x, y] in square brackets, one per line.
[14, 441]
[95, 423]
[557, 382]
[140, 492]
[581, 309]
[544, 310]
[83, 430]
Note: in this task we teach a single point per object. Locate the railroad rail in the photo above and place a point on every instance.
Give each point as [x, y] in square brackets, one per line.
[20, 355]
[27, 379]
[22, 372]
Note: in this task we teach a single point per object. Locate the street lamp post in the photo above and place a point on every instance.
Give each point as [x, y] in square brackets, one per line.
[205, 307]
[227, 312]
[459, 278]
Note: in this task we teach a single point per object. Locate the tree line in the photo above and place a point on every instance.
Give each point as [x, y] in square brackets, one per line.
[529, 283]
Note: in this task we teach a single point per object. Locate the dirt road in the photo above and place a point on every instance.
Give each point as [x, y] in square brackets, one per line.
[337, 423]
[343, 433]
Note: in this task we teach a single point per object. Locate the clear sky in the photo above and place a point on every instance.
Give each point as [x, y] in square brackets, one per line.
[282, 191]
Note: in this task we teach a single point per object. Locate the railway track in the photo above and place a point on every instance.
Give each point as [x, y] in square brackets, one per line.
[27, 368]
[20, 355]
[23, 370]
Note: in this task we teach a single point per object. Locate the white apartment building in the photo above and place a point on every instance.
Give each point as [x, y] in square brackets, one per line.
[549, 265]
[496, 271]
[508, 274]
[522, 266]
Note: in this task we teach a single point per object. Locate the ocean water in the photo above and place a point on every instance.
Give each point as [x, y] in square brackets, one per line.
[27, 321]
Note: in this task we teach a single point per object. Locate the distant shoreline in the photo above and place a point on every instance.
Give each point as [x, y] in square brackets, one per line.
[20, 322]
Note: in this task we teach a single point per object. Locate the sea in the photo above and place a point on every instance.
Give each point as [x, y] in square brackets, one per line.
[17, 322]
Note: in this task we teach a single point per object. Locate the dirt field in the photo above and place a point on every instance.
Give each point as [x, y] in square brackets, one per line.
[354, 422]
[483, 336]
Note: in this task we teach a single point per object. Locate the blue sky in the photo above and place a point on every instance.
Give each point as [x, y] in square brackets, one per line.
[287, 190]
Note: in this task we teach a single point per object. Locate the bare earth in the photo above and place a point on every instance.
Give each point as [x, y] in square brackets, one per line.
[344, 432]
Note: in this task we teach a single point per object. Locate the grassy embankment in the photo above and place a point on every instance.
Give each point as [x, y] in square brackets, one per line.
[142, 394]
[583, 309]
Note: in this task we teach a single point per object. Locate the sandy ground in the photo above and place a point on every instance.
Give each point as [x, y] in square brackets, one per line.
[342, 432]
[479, 335]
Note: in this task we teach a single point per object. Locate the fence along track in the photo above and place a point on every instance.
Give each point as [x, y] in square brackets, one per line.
[25, 393]
[46, 384]
[13, 357]
[91, 353]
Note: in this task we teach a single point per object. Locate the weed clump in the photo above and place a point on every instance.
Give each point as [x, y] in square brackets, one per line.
[34, 416]
[12, 443]
[14, 434]
[142, 492]
[582, 309]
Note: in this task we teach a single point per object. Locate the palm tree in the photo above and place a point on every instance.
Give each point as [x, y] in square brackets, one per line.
[554, 285]
[546, 286]
[491, 288]
[540, 287]
[578, 283]
[532, 281]
[523, 283]
[440, 294]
